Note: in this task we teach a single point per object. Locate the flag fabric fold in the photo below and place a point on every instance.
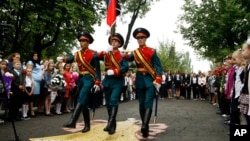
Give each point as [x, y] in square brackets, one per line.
[113, 10]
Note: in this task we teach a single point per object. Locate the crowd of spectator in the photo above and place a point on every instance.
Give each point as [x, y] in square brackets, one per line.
[50, 87]
[37, 85]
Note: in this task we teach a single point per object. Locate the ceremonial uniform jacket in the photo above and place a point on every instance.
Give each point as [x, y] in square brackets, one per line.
[143, 77]
[89, 66]
[114, 61]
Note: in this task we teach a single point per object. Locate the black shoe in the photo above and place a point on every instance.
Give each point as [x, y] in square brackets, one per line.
[70, 124]
[112, 128]
[144, 131]
[25, 118]
[86, 128]
[105, 128]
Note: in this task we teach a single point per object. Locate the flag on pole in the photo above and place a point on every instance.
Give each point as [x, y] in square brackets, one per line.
[113, 10]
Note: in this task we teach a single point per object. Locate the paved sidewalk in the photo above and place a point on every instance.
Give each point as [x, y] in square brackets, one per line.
[187, 120]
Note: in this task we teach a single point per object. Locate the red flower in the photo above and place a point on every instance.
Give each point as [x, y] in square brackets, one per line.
[216, 72]
[223, 70]
[24, 72]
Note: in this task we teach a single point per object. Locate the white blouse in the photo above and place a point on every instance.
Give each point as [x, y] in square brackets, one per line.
[202, 80]
[28, 81]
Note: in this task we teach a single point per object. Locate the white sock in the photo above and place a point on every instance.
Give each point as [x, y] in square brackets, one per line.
[26, 109]
[58, 108]
[23, 110]
[122, 98]
[103, 101]
[134, 95]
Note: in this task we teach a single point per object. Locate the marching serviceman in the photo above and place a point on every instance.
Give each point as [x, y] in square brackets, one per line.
[148, 76]
[116, 68]
[89, 71]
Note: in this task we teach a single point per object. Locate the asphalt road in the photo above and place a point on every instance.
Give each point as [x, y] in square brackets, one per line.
[186, 120]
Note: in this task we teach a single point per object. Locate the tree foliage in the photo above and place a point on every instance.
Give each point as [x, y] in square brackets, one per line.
[47, 24]
[173, 60]
[215, 28]
[49, 27]
[135, 9]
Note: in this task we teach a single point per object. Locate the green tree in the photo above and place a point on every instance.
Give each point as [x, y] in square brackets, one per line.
[48, 24]
[51, 26]
[215, 28]
[135, 9]
[171, 59]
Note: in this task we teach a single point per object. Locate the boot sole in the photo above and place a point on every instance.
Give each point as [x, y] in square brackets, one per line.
[68, 126]
[84, 131]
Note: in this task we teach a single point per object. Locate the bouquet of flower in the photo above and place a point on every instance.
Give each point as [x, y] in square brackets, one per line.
[58, 83]
[7, 80]
[75, 77]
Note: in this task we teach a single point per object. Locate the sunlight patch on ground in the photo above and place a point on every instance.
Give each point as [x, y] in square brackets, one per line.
[125, 131]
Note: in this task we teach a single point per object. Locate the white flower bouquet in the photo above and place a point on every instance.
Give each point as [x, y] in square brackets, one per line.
[58, 83]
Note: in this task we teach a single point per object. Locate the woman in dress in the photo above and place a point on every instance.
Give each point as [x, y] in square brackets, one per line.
[37, 70]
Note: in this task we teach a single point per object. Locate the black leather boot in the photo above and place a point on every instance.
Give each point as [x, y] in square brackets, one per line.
[109, 114]
[86, 117]
[145, 122]
[72, 122]
[142, 114]
[112, 122]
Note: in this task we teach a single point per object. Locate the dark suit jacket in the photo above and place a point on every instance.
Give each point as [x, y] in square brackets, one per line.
[186, 79]
[17, 80]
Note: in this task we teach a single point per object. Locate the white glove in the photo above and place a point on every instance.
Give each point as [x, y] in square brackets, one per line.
[59, 58]
[110, 48]
[157, 87]
[110, 72]
[96, 88]
[248, 41]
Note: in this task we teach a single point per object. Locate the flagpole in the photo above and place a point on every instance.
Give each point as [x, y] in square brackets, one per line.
[112, 29]
[112, 12]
